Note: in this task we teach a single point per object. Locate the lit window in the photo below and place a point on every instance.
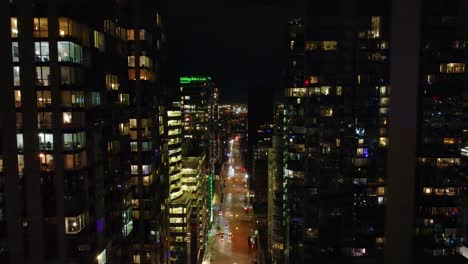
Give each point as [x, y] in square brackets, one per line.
[14, 27]
[20, 163]
[146, 146]
[384, 91]
[44, 98]
[431, 78]
[124, 99]
[362, 152]
[146, 61]
[130, 34]
[313, 79]
[142, 34]
[73, 98]
[134, 169]
[131, 61]
[146, 181]
[46, 162]
[380, 191]
[329, 45]
[96, 98]
[385, 101]
[124, 128]
[15, 51]
[42, 75]
[17, 98]
[99, 41]
[74, 141]
[339, 90]
[374, 31]
[16, 76]
[113, 146]
[452, 68]
[19, 142]
[41, 51]
[383, 142]
[133, 146]
[112, 82]
[41, 27]
[73, 225]
[46, 141]
[69, 52]
[427, 190]
[325, 90]
[383, 45]
[380, 200]
[146, 169]
[375, 26]
[326, 45]
[145, 74]
[449, 141]
[158, 20]
[326, 112]
[360, 141]
[383, 111]
[67, 117]
[133, 123]
[445, 162]
[63, 26]
[359, 252]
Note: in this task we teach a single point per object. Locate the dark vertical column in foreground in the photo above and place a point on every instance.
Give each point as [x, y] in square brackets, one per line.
[140, 240]
[404, 82]
[32, 181]
[57, 130]
[9, 151]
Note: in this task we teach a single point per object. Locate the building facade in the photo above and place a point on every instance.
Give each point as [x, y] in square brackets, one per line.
[85, 100]
[336, 133]
[335, 140]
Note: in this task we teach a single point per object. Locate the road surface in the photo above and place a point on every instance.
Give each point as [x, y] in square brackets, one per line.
[232, 215]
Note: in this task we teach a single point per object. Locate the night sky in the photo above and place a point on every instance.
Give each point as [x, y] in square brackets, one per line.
[239, 43]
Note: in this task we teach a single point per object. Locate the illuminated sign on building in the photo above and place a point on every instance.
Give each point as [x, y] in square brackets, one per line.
[190, 79]
[211, 197]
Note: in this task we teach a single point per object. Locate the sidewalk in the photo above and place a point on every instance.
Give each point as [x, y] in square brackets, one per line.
[209, 247]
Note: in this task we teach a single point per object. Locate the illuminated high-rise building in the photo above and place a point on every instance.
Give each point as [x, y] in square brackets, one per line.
[197, 96]
[276, 236]
[335, 110]
[427, 124]
[80, 145]
[345, 139]
[192, 133]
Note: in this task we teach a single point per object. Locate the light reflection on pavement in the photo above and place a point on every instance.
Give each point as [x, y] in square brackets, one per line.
[231, 216]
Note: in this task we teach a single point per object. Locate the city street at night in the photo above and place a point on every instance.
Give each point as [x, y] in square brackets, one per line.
[232, 226]
[234, 132]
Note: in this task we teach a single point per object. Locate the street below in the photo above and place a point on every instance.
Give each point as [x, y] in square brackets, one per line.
[232, 227]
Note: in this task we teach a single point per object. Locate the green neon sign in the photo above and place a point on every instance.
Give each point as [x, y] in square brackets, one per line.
[211, 197]
[190, 79]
